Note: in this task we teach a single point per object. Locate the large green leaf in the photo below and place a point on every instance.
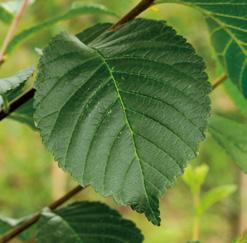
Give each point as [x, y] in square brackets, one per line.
[75, 10]
[123, 111]
[86, 222]
[232, 136]
[227, 21]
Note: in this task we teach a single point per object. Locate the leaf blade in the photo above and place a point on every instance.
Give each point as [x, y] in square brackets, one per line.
[120, 98]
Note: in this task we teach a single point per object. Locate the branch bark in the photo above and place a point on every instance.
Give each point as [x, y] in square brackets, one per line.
[27, 224]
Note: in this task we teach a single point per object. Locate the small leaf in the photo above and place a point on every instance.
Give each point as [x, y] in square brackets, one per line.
[123, 111]
[195, 177]
[213, 196]
[11, 86]
[75, 10]
[236, 96]
[89, 222]
[5, 15]
[7, 224]
[227, 21]
[232, 136]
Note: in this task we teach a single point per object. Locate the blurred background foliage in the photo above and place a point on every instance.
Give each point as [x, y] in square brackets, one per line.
[29, 178]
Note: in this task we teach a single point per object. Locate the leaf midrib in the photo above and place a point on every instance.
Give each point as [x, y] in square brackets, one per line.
[127, 122]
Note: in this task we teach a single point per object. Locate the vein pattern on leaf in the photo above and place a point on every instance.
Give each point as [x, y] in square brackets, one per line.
[123, 111]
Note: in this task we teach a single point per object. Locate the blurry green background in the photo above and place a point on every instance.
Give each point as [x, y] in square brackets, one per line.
[29, 178]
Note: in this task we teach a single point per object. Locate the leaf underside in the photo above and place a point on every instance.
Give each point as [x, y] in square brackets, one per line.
[232, 136]
[123, 111]
[86, 222]
[227, 21]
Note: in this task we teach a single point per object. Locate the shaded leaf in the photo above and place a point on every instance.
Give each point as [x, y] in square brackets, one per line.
[24, 114]
[75, 10]
[232, 136]
[10, 89]
[213, 196]
[7, 224]
[242, 238]
[236, 96]
[227, 21]
[89, 222]
[123, 111]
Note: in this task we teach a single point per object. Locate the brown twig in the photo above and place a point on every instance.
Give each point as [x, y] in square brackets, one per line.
[27, 224]
[17, 103]
[132, 14]
[12, 29]
[219, 81]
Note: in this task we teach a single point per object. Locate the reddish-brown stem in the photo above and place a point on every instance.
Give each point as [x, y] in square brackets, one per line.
[12, 29]
[27, 224]
[219, 81]
[138, 9]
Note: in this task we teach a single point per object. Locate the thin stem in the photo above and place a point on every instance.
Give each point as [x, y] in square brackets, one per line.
[138, 9]
[196, 217]
[17, 103]
[27, 224]
[219, 81]
[12, 29]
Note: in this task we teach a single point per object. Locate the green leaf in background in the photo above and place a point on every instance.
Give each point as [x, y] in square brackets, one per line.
[213, 196]
[232, 136]
[76, 10]
[195, 177]
[242, 238]
[11, 88]
[5, 15]
[123, 111]
[227, 21]
[236, 96]
[89, 222]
